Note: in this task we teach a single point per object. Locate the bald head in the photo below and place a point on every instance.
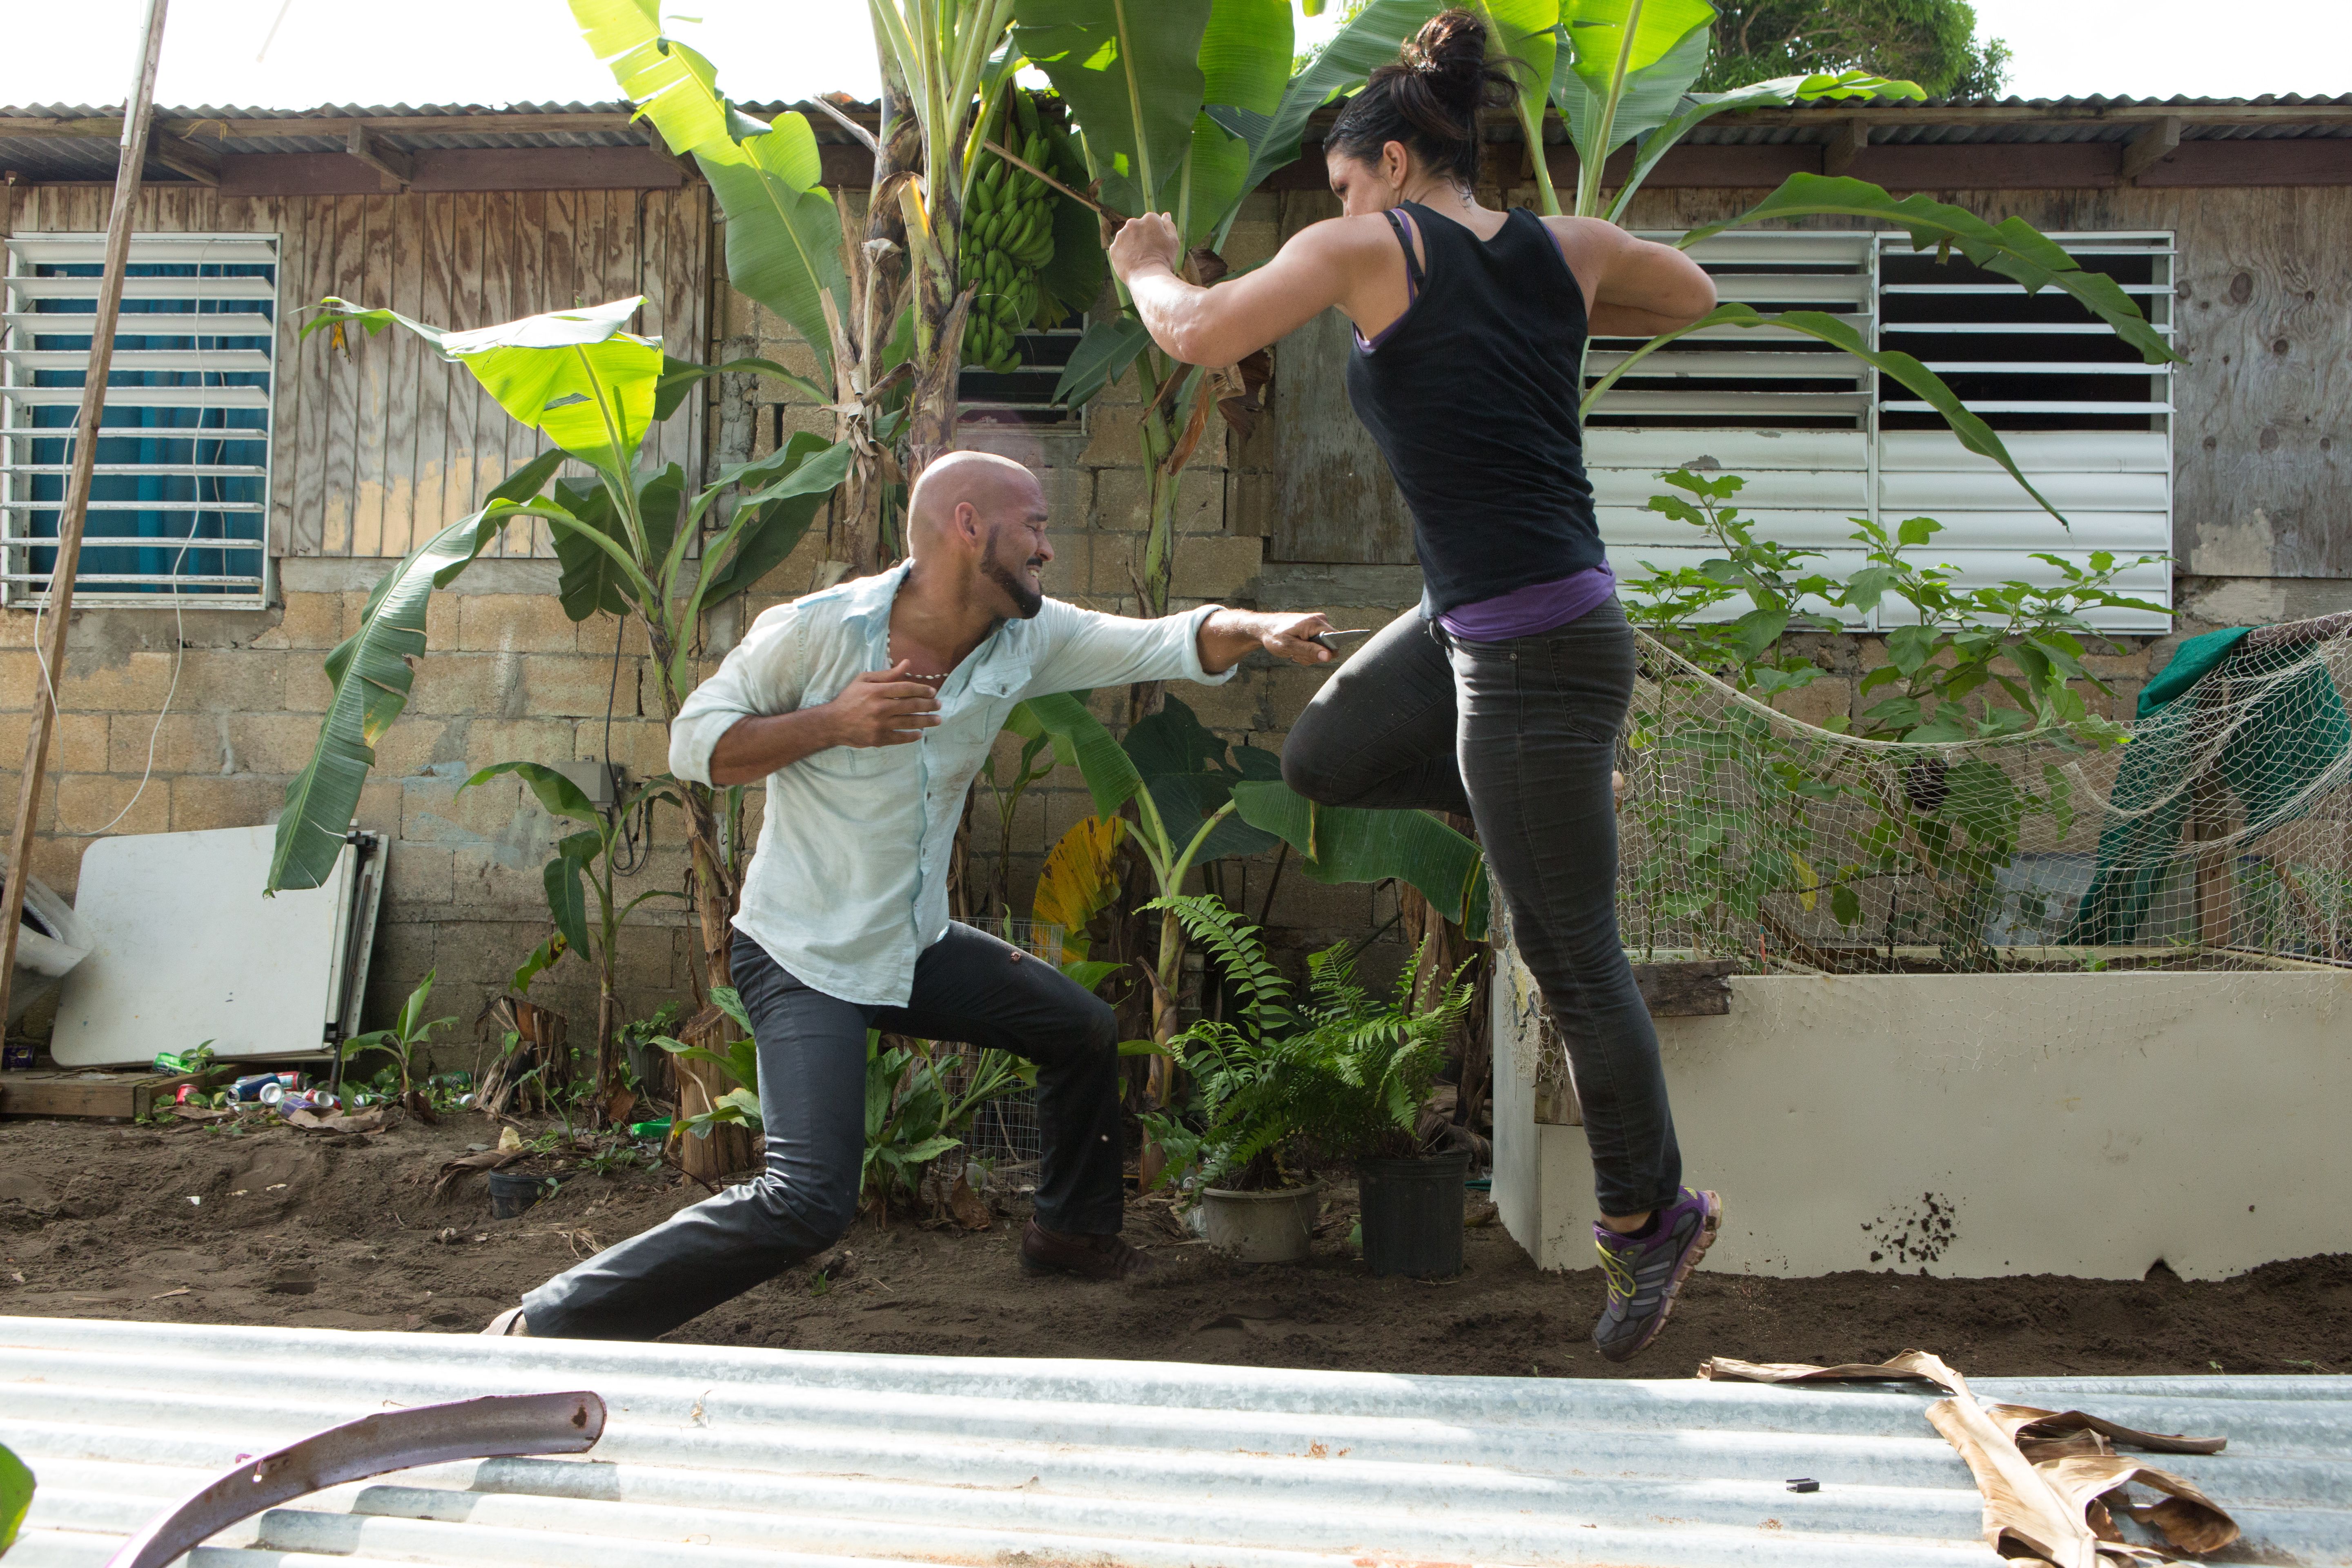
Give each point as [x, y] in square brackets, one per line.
[997, 489]
[979, 514]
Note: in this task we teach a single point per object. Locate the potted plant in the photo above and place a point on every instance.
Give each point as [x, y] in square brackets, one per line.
[1340, 1078]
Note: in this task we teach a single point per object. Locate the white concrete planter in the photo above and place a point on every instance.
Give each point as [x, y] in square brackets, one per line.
[1262, 1227]
[2086, 1124]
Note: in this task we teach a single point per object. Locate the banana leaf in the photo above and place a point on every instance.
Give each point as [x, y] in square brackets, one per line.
[681, 376]
[371, 674]
[555, 791]
[1370, 39]
[567, 901]
[1080, 880]
[1974, 433]
[1079, 739]
[1245, 65]
[783, 232]
[1527, 32]
[595, 402]
[768, 520]
[1101, 357]
[1340, 844]
[2012, 247]
[1625, 68]
[591, 580]
[16, 1496]
[1131, 72]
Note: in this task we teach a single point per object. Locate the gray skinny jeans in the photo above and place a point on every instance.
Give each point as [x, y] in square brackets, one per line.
[1520, 736]
[969, 986]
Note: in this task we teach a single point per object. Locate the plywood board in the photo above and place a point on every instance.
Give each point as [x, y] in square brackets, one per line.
[114, 1096]
[185, 949]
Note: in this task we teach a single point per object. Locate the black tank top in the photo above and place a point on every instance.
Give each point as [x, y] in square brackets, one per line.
[1472, 396]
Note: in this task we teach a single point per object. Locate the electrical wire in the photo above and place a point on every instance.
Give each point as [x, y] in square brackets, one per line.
[179, 603]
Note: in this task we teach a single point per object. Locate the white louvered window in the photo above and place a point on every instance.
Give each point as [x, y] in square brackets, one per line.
[179, 500]
[1822, 438]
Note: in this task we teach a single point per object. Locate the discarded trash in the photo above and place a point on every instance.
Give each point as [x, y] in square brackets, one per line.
[365, 1121]
[17, 1058]
[1804, 1484]
[2051, 1481]
[650, 1129]
[257, 1086]
[511, 1193]
[316, 1102]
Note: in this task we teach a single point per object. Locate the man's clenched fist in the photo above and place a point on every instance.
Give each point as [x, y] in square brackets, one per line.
[883, 708]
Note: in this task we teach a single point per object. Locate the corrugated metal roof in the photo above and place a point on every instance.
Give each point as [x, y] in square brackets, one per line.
[86, 157]
[1938, 122]
[715, 1458]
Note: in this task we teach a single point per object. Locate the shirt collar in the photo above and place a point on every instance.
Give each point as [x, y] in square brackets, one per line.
[999, 666]
[871, 597]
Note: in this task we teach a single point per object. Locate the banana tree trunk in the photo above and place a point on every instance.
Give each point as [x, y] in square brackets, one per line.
[609, 1087]
[714, 884]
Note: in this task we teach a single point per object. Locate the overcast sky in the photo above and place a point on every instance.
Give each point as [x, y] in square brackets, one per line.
[499, 51]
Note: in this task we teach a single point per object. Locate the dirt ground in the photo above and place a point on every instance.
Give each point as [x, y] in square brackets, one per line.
[187, 1224]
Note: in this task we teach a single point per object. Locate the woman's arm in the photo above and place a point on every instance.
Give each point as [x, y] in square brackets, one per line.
[1323, 265]
[1632, 288]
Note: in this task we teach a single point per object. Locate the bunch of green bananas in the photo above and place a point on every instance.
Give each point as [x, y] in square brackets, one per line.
[1008, 233]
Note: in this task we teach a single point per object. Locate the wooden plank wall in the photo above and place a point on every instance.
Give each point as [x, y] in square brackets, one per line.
[377, 448]
[2261, 302]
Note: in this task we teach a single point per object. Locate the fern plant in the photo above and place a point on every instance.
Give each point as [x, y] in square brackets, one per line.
[1337, 1077]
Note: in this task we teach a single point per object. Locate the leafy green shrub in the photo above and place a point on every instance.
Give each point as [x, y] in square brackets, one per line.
[1962, 652]
[739, 1060]
[401, 1041]
[1340, 1076]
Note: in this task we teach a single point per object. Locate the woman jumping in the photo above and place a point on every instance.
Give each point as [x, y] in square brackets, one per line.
[1503, 694]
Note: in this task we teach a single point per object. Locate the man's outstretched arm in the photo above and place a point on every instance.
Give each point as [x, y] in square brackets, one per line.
[1087, 649]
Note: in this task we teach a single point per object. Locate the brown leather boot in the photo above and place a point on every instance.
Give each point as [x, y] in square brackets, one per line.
[1046, 1251]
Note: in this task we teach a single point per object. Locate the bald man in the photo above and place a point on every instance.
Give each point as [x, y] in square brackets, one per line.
[867, 708]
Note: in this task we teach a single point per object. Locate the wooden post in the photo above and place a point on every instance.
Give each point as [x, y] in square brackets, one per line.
[2208, 821]
[136, 114]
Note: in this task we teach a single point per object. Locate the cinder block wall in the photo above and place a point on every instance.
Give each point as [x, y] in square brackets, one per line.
[509, 678]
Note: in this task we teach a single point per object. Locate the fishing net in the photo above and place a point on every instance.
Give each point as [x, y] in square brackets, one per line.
[2218, 837]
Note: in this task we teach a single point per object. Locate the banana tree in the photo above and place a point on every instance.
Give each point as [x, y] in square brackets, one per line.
[790, 246]
[844, 287]
[583, 865]
[625, 539]
[1155, 92]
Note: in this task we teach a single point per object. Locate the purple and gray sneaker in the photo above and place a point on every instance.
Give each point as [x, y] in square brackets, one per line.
[1646, 1275]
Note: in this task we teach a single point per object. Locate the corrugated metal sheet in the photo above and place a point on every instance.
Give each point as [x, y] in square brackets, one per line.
[1937, 121]
[714, 1458]
[56, 158]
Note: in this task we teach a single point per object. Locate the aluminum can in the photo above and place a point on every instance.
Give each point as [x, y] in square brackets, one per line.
[256, 1086]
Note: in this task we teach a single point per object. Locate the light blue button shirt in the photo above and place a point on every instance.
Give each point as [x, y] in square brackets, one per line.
[849, 881]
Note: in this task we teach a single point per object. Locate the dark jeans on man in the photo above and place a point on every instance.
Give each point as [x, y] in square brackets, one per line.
[968, 987]
[1521, 736]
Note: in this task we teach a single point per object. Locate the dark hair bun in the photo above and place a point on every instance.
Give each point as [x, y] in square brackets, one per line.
[1450, 53]
[1430, 99]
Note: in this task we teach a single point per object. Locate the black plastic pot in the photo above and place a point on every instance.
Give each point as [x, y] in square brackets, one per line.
[511, 1194]
[1412, 1212]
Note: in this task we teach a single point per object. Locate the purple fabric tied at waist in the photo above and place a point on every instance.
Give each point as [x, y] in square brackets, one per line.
[1538, 607]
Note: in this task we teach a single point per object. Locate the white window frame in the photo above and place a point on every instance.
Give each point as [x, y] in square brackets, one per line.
[20, 586]
[2115, 486]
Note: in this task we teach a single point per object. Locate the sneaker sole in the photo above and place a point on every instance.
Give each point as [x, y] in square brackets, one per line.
[1708, 1228]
